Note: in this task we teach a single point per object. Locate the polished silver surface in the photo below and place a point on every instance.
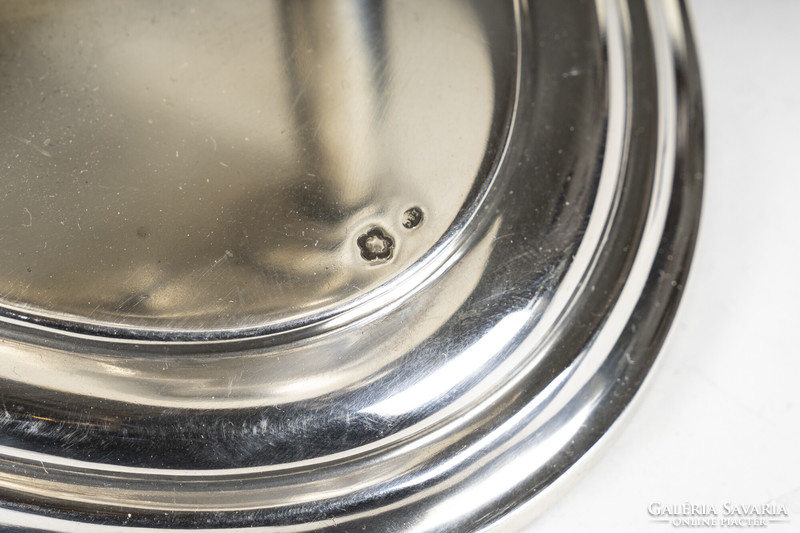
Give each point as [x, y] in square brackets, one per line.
[186, 168]
[387, 266]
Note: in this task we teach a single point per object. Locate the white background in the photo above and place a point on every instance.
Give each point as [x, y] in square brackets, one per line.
[719, 420]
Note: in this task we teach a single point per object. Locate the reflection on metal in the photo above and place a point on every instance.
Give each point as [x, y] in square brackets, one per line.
[331, 265]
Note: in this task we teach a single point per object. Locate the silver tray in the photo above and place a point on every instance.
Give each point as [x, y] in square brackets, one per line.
[348, 266]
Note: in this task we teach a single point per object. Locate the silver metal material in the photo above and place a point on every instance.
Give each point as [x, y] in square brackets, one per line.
[346, 265]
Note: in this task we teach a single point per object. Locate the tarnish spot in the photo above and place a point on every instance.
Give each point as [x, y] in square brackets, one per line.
[376, 245]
